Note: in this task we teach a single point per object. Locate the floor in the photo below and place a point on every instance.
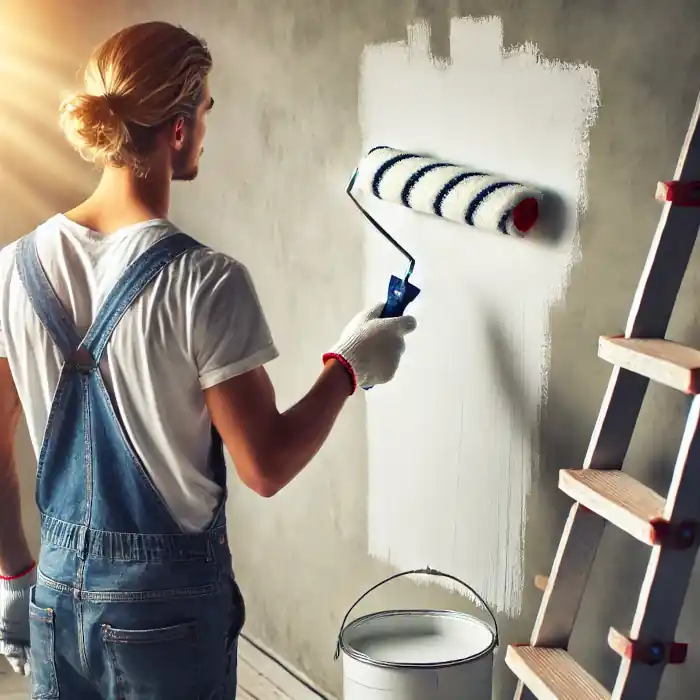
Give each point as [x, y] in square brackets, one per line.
[259, 678]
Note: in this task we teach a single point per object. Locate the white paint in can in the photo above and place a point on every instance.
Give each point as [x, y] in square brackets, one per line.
[417, 654]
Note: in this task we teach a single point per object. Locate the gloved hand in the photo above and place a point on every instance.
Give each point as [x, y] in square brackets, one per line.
[14, 619]
[370, 347]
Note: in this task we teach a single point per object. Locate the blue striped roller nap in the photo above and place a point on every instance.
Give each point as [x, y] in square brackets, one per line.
[450, 191]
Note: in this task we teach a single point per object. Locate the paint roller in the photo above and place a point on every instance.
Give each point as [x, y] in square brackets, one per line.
[442, 189]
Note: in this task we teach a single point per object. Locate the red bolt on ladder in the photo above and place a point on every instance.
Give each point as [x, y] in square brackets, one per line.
[650, 653]
[682, 194]
[602, 492]
[673, 535]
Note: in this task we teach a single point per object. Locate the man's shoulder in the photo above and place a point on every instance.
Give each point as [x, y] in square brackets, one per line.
[208, 261]
[210, 276]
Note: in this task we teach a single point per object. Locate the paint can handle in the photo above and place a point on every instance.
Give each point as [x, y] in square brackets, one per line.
[429, 572]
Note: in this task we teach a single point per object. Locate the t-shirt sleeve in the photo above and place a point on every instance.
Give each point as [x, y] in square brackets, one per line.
[231, 333]
[6, 263]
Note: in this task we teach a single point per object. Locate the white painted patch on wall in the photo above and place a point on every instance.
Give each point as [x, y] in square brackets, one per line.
[454, 439]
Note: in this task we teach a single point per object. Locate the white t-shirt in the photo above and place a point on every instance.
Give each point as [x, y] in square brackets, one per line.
[197, 324]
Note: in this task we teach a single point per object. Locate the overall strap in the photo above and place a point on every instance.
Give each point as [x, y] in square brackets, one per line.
[43, 299]
[134, 280]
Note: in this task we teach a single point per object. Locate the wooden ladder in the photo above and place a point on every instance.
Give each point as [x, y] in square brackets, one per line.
[604, 493]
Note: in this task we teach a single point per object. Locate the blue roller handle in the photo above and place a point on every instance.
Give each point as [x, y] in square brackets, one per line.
[401, 293]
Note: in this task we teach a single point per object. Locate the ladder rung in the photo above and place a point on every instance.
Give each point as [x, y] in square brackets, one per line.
[552, 674]
[663, 361]
[617, 497]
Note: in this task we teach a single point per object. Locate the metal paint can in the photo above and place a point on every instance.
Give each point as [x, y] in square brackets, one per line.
[418, 654]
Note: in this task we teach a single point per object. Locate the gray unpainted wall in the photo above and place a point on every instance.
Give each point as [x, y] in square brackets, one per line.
[282, 141]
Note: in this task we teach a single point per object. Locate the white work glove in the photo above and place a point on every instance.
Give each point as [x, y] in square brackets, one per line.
[14, 620]
[370, 347]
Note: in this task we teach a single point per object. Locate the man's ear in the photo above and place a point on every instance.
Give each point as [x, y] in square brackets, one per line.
[177, 133]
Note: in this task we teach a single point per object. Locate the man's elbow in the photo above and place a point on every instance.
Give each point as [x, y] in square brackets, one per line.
[266, 488]
[263, 479]
[265, 468]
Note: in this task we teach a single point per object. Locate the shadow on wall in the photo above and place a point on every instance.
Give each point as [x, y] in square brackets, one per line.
[30, 515]
[551, 225]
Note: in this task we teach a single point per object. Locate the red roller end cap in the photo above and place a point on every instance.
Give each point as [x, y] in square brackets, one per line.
[525, 214]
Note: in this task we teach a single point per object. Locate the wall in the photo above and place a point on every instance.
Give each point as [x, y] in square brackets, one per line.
[454, 495]
[287, 134]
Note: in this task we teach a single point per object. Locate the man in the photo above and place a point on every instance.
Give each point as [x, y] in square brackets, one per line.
[135, 352]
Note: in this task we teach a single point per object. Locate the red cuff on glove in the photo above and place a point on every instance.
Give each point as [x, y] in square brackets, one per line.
[21, 574]
[334, 356]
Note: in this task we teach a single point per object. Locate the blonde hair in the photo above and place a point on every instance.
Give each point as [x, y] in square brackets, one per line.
[136, 81]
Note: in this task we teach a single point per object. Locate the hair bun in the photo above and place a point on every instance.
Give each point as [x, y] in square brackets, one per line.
[93, 125]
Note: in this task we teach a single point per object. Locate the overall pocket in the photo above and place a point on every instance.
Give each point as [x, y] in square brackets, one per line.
[42, 636]
[159, 664]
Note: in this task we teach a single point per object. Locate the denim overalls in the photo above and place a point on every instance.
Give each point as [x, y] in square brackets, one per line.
[126, 605]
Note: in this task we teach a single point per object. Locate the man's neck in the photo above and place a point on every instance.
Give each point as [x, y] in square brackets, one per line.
[121, 199]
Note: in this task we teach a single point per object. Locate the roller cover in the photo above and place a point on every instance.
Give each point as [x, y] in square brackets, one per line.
[453, 192]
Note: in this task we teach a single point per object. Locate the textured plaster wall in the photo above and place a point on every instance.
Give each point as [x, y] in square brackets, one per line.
[284, 137]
